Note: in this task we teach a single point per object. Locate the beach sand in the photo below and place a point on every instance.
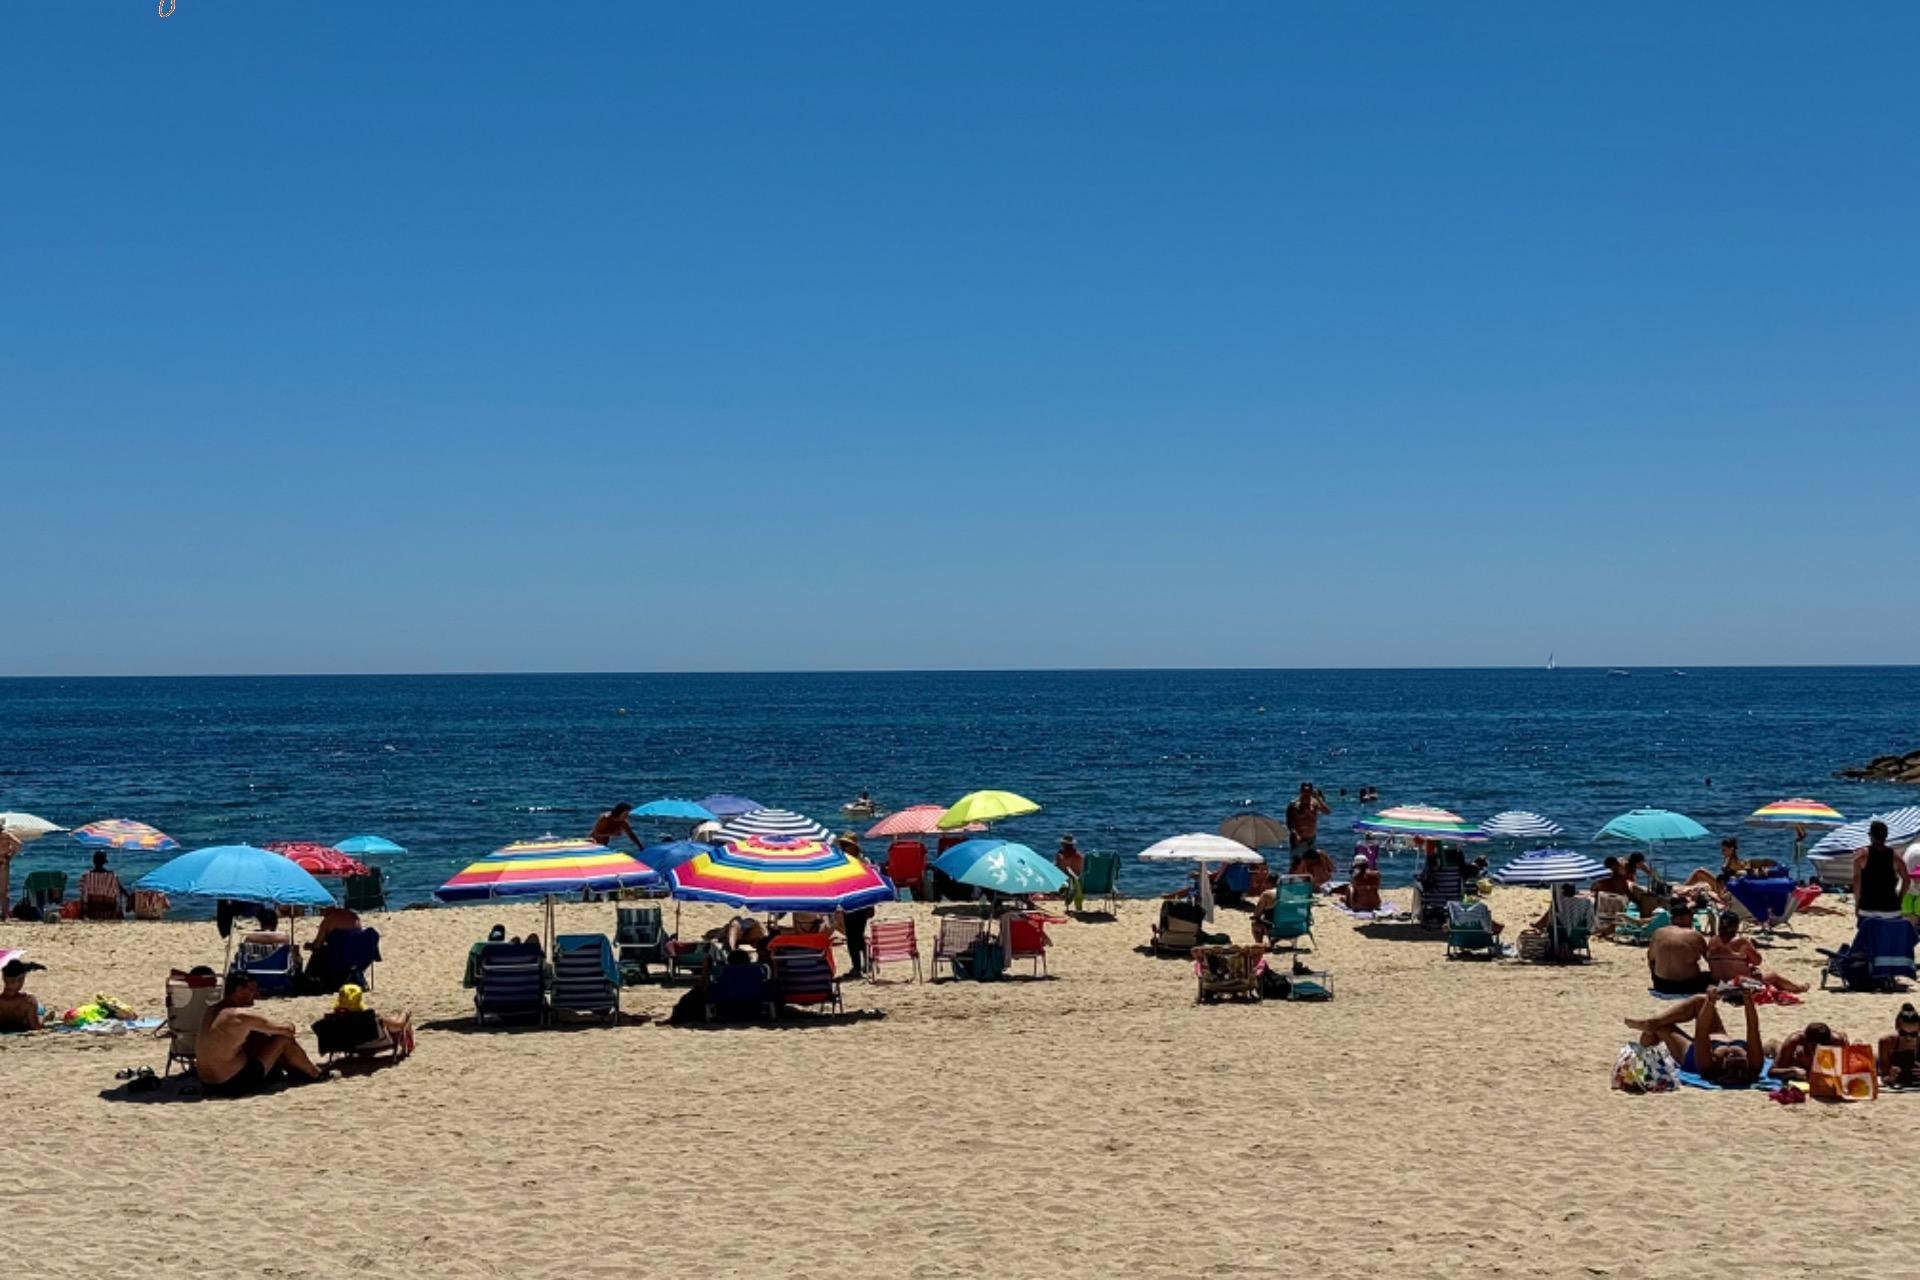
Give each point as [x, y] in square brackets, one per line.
[1436, 1118]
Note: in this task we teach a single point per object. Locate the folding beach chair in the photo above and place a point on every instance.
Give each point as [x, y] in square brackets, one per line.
[892, 941]
[348, 955]
[1025, 938]
[803, 970]
[150, 904]
[189, 996]
[268, 958]
[45, 890]
[586, 979]
[740, 993]
[957, 936]
[640, 934]
[1610, 910]
[1291, 918]
[1638, 933]
[1100, 879]
[1447, 885]
[1878, 958]
[907, 867]
[361, 1035]
[509, 981]
[367, 892]
[1178, 932]
[1467, 935]
[1228, 973]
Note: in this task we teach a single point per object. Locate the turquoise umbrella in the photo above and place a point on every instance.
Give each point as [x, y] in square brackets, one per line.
[1001, 866]
[1651, 826]
[363, 845]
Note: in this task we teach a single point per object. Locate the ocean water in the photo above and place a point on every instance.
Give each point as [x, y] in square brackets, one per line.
[453, 766]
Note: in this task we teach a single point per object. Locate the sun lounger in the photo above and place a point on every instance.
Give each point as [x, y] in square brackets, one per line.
[1447, 886]
[269, 959]
[586, 978]
[1610, 909]
[189, 996]
[803, 970]
[509, 981]
[1228, 973]
[1638, 933]
[1468, 934]
[641, 937]
[1291, 917]
[347, 955]
[957, 936]
[892, 942]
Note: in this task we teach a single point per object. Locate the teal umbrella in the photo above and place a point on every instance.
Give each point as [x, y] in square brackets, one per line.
[1651, 826]
[1001, 866]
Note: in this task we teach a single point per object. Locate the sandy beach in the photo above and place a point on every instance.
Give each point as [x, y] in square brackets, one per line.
[1436, 1118]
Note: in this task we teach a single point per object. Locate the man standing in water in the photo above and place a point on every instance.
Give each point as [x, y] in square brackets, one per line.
[1303, 818]
[613, 824]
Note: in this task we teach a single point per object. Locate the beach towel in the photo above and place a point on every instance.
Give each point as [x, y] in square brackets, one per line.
[1386, 911]
[107, 1026]
[1763, 1084]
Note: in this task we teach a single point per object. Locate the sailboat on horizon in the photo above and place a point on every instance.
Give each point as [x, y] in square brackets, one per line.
[1550, 665]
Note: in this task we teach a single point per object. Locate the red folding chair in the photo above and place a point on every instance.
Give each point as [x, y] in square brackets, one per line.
[907, 866]
[892, 940]
[1027, 940]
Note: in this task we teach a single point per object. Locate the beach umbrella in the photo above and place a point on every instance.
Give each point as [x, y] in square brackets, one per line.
[26, 828]
[1422, 821]
[238, 872]
[1903, 826]
[1651, 826]
[726, 806]
[546, 867]
[671, 853]
[1796, 814]
[1550, 866]
[316, 859]
[364, 845]
[1199, 846]
[778, 824]
[914, 820]
[1000, 866]
[119, 833]
[675, 811]
[1254, 830]
[985, 806]
[765, 874]
[1520, 824]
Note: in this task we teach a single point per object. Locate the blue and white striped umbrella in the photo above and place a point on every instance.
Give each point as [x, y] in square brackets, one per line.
[1549, 866]
[775, 824]
[1520, 824]
[1903, 825]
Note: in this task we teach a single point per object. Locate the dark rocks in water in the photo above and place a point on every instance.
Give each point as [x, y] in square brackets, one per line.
[1904, 768]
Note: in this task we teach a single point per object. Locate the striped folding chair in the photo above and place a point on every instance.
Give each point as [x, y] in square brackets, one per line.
[892, 941]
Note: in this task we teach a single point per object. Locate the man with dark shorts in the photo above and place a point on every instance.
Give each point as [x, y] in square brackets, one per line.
[242, 1050]
[1677, 954]
[1303, 818]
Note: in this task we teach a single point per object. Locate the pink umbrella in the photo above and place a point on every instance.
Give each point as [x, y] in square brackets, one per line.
[915, 820]
[318, 859]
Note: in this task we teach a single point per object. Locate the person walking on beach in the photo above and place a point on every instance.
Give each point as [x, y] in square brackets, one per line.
[1303, 817]
[1067, 858]
[613, 824]
[1880, 877]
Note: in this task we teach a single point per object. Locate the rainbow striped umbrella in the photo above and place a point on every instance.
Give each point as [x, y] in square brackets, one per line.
[1424, 821]
[762, 873]
[546, 867]
[120, 833]
[1797, 812]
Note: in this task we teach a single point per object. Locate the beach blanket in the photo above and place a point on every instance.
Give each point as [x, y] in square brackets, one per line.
[1387, 911]
[107, 1026]
[1694, 1080]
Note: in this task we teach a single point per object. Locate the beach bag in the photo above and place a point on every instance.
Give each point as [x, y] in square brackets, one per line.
[1645, 1069]
[1844, 1073]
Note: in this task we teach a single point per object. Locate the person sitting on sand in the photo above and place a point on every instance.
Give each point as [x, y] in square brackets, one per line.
[613, 824]
[1732, 1062]
[242, 1050]
[1793, 1056]
[1899, 1055]
[1362, 890]
[1732, 958]
[18, 1010]
[1677, 954]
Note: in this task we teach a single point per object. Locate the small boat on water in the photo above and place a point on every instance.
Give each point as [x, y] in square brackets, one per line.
[1678, 672]
[1550, 665]
[1618, 671]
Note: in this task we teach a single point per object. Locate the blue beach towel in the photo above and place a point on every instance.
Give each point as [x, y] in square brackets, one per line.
[1762, 1083]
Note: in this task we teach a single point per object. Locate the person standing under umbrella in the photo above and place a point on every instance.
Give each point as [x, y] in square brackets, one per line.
[854, 923]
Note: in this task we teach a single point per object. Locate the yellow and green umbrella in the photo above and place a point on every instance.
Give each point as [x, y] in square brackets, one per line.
[985, 806]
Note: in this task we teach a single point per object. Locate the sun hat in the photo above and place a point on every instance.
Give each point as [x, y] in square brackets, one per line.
[351, 999]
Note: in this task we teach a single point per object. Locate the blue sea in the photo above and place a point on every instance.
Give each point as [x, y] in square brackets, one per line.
[454, 766]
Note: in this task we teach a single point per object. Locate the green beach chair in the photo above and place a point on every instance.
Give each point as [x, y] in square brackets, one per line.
[1638, 933]
[367, 892]
[45, 890]
[1292, 916]
[1100, 879]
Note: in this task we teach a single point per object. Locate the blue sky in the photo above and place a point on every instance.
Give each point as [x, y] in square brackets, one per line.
[354, 337]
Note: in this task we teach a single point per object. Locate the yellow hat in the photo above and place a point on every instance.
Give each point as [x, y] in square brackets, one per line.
[351, 999]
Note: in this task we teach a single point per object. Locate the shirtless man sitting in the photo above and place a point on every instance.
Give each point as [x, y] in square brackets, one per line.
[18, 1010]
[1732, 1062]
[1677, 955]
[241, 1050]
[1793, 1057]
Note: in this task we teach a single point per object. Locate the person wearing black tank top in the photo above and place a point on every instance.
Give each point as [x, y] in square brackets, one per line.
[1879, 876]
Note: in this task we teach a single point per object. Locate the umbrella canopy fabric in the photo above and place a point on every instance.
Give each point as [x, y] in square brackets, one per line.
[1422, 820]
[1650, 826]
[536, 868]
[675, 811]
[1550, 866]
[1254, 830]
[119, 833]
[1199, 846]
[1797, 812]
[668, 854]
[1903, 826]
[777, 824]
[1001, 866]
[764, 874]
[364, 845]
[985, 806]
[238, 872]
[914, 820]
[317, 859]
[26, 828]
[726, 806]
[1520, 824]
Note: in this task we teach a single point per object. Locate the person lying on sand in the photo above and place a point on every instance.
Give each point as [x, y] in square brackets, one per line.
[1899, 1055]
[1677, 954]
[1793, 1056]
[1732, 958]
[1733, 1062]
[241, 1050]
[18, 1010]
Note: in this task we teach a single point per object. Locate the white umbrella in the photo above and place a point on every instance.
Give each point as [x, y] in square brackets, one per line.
[1201, 847]
[1520, 824]
[775, 824]
[26, 828]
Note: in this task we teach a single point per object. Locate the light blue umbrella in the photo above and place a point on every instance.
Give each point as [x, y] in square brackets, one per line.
[676, 811]
[1651, 826]
[360, 845]
[1001, 866]
[672, 853]
[238, 872]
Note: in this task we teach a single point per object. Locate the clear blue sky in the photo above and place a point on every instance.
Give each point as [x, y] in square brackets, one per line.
[483, 336]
